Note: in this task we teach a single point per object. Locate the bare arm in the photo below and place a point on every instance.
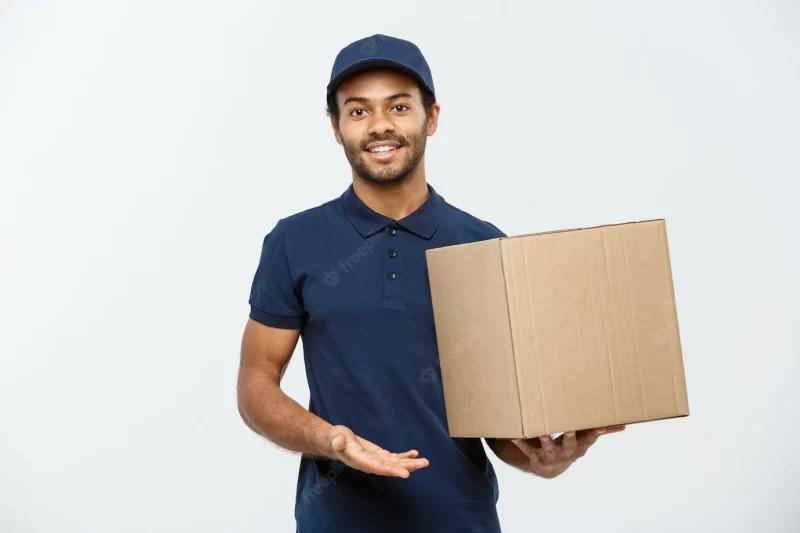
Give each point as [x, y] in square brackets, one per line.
[268, 411]
[263, 406]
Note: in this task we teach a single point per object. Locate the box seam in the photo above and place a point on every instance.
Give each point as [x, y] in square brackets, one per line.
[511, 335]
[635, 327]
[605, 325]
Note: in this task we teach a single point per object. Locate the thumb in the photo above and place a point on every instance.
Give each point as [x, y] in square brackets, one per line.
[339, 442]
[339, 435]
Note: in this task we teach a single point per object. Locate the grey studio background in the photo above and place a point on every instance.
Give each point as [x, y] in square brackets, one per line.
[147, 147]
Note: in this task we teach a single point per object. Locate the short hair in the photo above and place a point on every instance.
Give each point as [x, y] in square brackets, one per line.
[428, 99]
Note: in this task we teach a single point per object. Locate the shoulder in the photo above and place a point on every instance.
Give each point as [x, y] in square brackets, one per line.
[482, 229]
[296, 224]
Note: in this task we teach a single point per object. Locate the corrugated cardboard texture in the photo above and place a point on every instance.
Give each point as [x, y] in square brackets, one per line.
[585, 319]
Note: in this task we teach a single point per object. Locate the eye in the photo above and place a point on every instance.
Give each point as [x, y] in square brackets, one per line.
[359, 112]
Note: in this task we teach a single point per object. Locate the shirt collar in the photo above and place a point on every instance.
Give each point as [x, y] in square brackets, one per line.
[423, 221]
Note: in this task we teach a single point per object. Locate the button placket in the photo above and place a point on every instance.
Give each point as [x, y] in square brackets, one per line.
[393, 265]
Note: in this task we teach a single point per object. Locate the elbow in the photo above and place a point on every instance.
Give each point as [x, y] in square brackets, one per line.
[253, 393]
[242, 410]
[242, 404]
[245, 419]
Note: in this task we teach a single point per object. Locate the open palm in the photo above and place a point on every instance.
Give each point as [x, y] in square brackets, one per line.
[367, 456]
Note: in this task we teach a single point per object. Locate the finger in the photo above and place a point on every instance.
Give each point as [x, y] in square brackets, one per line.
[403, 459]
[569, 442]
[339, 443]
[526, 446]
[592, 436]
[366, 463]
[408, 454]
[532, 452]
[392, 458]
[384, 469]
[374, 449]
[407, 460]
[398, 458]
[588, 440]
[412, 465]
[603, 430]
[548, 447]
[384, 463]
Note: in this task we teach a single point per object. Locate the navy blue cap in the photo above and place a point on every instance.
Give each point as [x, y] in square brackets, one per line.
[380, 51]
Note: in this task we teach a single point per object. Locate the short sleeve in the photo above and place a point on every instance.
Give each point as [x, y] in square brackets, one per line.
[496, 229]
[273, 298]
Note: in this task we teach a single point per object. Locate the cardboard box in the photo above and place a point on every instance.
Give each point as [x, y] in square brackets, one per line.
[558, 331]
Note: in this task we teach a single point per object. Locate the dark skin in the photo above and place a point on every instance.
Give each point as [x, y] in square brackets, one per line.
[381, 106]
[547, 457]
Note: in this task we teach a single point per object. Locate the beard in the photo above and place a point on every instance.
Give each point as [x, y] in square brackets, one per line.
[389, 173]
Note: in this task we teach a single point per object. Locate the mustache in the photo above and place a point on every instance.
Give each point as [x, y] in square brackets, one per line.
[390, 138]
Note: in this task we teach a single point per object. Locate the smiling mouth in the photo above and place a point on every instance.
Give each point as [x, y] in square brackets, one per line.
[384, 153]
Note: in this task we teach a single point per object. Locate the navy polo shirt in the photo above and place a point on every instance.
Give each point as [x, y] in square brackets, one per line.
[356, 283]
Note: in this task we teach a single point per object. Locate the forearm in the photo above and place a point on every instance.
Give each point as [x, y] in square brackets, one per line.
[268, 411]
[506, 451]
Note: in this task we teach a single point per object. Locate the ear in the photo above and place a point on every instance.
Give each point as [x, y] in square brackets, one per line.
[336, 132]
[433, 119]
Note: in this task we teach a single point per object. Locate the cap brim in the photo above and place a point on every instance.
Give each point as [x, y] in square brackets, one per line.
[369, 64]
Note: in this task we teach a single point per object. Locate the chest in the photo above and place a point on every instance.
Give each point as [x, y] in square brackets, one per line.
[386, 271]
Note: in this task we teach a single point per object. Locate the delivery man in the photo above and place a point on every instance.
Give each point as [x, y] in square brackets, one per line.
[350, 277]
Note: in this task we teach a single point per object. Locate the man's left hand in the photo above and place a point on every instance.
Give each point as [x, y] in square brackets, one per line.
[550, 457]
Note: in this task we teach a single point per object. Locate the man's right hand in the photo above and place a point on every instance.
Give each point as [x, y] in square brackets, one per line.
[368, 457]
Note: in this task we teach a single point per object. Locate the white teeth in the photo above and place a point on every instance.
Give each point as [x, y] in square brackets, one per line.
[383, 148]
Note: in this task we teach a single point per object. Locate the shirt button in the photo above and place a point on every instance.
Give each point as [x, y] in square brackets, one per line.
[392, 253]
[391, 275]
[392, 231]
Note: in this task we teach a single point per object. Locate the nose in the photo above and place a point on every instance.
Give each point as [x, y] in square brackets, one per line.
[380, 123]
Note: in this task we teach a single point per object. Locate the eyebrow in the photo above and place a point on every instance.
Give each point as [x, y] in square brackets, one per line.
[363, 100]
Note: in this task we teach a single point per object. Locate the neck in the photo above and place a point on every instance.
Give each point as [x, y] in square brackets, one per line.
[393, 200]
